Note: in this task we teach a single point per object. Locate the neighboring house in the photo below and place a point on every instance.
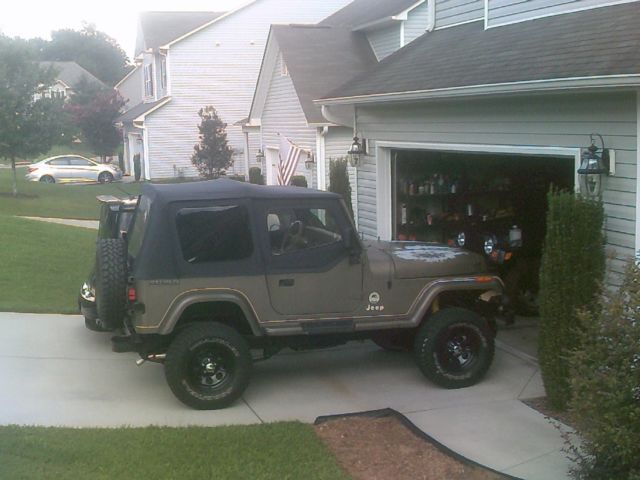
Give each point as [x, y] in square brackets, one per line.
[189, 62]
[67, 76]
[517, 84]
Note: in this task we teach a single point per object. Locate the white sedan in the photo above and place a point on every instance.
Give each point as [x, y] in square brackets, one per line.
[72, 168]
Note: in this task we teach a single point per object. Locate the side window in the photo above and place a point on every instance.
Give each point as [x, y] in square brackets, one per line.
[79, 162]
[214, 234]
[295, 229]
[57, 162]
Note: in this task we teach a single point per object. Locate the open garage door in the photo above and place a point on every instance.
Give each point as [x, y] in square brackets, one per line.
[494, 204]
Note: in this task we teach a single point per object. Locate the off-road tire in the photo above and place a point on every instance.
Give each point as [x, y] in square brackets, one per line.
[203, 344]
[433, 349]
[395, 341]
[111, 281]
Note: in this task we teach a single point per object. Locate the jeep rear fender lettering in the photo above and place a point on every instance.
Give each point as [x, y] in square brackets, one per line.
[192, 297]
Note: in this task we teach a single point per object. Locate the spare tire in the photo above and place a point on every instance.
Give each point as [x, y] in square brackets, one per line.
[111, 281]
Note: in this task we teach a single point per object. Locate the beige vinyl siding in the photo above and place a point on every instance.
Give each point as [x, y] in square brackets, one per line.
[131, 88]
[385, 41]
[219, 66]
[416, 23]
[507, 11]
[283, 115]
[451, 12]
[551, 120]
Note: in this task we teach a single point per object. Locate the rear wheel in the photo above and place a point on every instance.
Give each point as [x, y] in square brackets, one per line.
[111, 281]
[105, 177]
[454, 348]
[208, 366]
[47, 179]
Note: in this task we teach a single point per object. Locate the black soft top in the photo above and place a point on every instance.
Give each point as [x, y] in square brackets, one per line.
[223, 189]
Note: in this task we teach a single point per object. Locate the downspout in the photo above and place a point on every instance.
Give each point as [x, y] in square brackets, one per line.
[246, 154]
[431, 22]
[321, 166]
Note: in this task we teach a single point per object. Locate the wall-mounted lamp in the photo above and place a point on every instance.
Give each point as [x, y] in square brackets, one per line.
[310, 161]
[594, 164]
[260, 156]
[355, 153]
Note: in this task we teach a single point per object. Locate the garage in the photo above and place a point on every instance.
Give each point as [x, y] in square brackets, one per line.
[489, 202]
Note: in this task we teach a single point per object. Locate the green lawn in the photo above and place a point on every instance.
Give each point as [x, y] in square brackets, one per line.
[273, 451]
[64, 201]
[43, 265]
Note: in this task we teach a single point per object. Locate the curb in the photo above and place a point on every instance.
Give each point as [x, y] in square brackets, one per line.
[390, 412]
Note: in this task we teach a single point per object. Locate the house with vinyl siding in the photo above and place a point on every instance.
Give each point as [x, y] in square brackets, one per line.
[295, 71]
[521, 84]
[189, 60]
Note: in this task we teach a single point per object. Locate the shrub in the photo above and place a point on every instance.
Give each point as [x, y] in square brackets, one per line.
[255, 176]
[137, 170]
[299, 181]
[605, 383]
[571, 273]
[339, 181]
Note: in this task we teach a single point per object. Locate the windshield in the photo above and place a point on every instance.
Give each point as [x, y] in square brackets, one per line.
[140, 221]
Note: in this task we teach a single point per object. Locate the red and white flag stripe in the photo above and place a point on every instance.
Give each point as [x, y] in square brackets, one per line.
[289, 158]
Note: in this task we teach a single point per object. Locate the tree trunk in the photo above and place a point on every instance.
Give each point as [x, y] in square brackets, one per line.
[14, 178]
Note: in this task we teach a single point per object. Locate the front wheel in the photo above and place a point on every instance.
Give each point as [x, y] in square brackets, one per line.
[47, 179]
[454, 348]
[105, 177]
[208, 366]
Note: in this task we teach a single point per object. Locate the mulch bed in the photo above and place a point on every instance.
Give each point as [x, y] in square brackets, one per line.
[385, 448]
[541, 404]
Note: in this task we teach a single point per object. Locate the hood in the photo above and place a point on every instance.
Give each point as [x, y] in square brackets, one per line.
[418, 259]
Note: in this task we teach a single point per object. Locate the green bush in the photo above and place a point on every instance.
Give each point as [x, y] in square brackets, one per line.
[255, 176]
[605, 383]
[571, 273]
[137, 170]
[339, 181]
[299, 181]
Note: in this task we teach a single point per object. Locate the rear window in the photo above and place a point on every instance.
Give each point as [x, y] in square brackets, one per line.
[140, 221]
[214, 234]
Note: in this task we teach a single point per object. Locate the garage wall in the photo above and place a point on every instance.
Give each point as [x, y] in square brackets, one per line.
[551, 120]
[337, 144]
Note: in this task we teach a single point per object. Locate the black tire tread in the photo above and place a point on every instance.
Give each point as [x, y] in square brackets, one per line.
[173, 365]
[111, 281]
[425, 341]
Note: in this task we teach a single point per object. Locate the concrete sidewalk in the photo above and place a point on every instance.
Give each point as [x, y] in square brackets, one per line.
[91, 224]
[55, 372]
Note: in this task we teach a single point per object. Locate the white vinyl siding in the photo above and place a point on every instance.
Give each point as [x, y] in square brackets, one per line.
[553, 120]
[416, 23]
[337, 143]
[509, 11]
[219, 66]
[283, 115]
[451, 12]
[385, 41]
[131, 88]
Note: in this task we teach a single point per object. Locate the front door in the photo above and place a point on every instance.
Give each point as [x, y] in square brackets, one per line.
[309, 270]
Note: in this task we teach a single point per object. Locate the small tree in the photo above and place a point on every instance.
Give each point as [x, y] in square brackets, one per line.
[605, 383]
[571, 273]
[339, 181]
[212, 155]
[255, 176]
[28, 127]
[94, 111]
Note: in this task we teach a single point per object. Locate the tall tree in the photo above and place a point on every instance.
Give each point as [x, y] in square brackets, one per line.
[28, 127]
[94, 112]
[92, 49]
[212, 156]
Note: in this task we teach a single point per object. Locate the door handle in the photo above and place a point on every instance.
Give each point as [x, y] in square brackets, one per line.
[286, 282]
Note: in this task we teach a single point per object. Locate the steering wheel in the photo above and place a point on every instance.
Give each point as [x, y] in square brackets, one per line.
[293, 237]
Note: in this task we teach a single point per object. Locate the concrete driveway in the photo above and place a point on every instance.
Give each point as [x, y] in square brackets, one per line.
[55, 372]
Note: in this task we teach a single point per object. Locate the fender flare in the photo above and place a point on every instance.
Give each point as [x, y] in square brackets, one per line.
[186, 299]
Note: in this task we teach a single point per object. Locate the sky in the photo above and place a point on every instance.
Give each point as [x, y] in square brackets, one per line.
[116, 18]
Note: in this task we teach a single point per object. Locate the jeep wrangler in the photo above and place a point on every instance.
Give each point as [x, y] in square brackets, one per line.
[215, 275]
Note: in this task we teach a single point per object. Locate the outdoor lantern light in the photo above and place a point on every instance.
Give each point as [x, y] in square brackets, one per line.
[594, 164]
[259, 156]
[310, 161]
[355, 153]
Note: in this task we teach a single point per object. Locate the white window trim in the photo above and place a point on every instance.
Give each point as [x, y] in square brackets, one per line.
[384, 200]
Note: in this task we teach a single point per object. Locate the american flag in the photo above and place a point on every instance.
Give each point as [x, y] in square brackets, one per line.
[289, 157]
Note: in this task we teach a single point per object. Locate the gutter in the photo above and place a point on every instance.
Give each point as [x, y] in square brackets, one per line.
[605, 81]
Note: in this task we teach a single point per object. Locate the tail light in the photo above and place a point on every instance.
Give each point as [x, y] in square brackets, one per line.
[131, 294]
